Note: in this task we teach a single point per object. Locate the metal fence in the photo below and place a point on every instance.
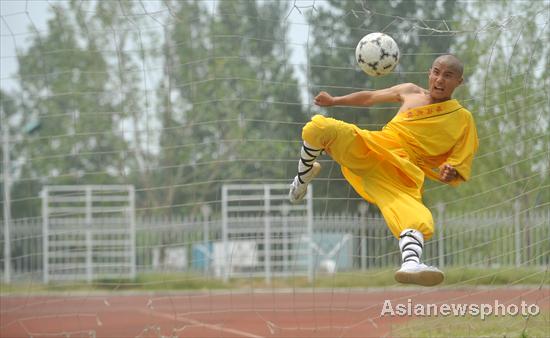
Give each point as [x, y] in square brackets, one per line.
[88, 232]
[263, 235]
[340, 242]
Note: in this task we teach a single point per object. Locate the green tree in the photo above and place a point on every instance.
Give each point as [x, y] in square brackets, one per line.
[8, 106]
[122, 26]
[229, 102]
[507, 89]
[63, 80]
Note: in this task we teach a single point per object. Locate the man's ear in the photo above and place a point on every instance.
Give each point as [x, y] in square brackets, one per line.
[460, 81]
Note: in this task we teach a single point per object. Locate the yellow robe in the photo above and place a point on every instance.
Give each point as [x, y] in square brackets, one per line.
[388, 167]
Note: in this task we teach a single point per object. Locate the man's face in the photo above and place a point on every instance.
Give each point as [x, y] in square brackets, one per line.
[443, 80]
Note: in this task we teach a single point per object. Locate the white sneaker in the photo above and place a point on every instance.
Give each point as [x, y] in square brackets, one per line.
[421, 274]
[298, 190]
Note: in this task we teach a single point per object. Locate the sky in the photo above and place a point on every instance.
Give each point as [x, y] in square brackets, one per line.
[19, 17]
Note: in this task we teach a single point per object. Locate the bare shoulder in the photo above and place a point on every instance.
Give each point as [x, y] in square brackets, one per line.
[410, 88]
[397, 93]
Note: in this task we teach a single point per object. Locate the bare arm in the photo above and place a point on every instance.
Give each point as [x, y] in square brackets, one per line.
[368, 98]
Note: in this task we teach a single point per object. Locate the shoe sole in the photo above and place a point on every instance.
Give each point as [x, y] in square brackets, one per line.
[424, 278]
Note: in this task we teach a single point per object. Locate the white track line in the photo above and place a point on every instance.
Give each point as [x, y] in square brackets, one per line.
[198, 323]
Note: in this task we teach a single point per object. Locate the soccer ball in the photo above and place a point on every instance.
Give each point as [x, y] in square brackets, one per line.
[377, 54]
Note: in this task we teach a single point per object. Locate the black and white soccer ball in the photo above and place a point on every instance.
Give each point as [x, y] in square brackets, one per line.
[377, 54]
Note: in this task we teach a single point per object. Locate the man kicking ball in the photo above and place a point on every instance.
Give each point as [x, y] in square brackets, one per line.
[431, 135]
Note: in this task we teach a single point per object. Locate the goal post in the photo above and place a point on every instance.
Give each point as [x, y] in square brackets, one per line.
[88, 232]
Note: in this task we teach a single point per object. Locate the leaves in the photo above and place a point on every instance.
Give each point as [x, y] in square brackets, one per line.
[183, 99]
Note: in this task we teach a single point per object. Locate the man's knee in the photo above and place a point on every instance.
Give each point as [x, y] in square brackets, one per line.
[427, 229]
[425, 225]
[320, 131]
[418, 219]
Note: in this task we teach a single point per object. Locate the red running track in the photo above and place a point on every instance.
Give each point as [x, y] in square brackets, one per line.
[235, 314]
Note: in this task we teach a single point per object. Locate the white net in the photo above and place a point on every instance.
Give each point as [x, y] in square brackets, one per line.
[180, 101]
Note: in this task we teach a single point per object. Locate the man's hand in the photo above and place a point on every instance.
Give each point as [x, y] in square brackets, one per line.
[447, 173]
[324, 99]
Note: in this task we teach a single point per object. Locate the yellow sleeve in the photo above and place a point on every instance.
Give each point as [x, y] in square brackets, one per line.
[463, 152]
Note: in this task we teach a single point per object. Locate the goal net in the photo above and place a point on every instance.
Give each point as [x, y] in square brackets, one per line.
[164, 135]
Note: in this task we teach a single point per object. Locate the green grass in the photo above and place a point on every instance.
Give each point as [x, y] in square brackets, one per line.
[503, 326]
[354, 279]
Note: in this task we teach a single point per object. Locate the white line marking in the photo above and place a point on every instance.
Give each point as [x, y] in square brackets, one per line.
[198, 323]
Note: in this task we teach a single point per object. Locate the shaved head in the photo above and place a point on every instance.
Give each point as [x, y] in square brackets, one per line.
[444, 76]
[451, 61]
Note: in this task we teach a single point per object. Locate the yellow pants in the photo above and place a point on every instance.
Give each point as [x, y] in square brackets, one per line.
[379, 168]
